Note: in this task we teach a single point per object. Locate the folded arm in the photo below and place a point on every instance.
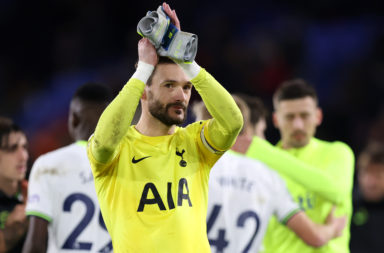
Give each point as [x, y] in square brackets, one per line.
[334, 183]
[316, 235]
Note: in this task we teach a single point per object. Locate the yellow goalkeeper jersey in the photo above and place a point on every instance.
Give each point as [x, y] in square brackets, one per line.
[153, 190]
[160, 185]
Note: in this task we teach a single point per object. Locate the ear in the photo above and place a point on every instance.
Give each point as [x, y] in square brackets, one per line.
[144, 96]
[75, 120]
[319, 116]
[275, 121]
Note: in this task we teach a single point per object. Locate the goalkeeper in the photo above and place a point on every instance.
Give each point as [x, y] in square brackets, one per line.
[151, 178]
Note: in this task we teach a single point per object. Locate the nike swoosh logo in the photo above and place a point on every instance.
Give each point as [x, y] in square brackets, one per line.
[138, 160]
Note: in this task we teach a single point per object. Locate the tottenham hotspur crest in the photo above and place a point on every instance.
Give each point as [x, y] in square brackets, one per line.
[182, 162]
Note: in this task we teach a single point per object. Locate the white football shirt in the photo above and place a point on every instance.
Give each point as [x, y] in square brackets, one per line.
[61, 190]
[243, 195]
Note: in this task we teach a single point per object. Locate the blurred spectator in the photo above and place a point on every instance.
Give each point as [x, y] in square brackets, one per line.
[13, 187]
[368, 217]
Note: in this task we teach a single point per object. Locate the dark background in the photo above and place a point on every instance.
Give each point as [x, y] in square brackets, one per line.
[49, 48]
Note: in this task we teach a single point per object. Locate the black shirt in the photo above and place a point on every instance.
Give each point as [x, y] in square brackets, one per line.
[7, 204]
[367, 226]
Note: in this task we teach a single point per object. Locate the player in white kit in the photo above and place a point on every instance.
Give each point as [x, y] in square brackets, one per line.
[244, 194]
[64, 214]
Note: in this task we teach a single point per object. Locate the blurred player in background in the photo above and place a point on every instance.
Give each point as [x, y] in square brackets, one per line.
[13, 187]
[244, 194]
[64, 214]
[152, 178]
[318, 174]
[258, 114]
[368, 218]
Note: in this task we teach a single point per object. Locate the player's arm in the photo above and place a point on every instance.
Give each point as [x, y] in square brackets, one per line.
[227, 119]
[37, 235]
[117, 117]
[316, 235]
[333, 183]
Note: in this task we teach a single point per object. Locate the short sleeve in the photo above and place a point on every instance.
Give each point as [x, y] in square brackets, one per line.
[39, 197]
[285, 206]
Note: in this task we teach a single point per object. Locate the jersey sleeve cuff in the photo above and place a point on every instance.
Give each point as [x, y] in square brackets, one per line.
[190, 69]
[40, 215]
[207, 142]
[290, 215]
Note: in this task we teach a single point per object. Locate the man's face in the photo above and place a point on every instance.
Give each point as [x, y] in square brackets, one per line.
[297, 120]
[371, 181]
[168, 95]
[14, 157]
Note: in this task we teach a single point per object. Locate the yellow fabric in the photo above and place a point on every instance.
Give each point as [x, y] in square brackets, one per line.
[120, 185]
[319, 176]
[157, 204]
[115, 121]
[227, 118]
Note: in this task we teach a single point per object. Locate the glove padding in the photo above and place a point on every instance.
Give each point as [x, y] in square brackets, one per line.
[153, 27]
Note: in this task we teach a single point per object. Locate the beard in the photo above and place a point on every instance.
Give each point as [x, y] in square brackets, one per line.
[160, 112]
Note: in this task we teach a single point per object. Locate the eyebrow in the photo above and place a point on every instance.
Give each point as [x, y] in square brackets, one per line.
[174, 81]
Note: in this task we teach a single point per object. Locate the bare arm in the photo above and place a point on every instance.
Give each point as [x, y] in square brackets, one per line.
[37, 236]
[316, 235]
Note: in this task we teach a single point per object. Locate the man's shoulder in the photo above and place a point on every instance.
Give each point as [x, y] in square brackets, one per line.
[194, 125]
[241, 164]
[72, 153]
[334, 147]
[54, 154]
[191, 129]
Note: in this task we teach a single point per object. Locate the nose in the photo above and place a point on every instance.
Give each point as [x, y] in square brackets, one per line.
[180, 94]
[23, 154]
[298, 123]
[370, 179]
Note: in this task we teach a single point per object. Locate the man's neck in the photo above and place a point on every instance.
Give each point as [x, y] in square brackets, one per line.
[9, 187]
[242, 143]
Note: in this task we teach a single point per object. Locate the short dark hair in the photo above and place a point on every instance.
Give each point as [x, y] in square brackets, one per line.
[294, 89]
[7, 126]
[162, 60]
[93, 92]
[256, 106]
